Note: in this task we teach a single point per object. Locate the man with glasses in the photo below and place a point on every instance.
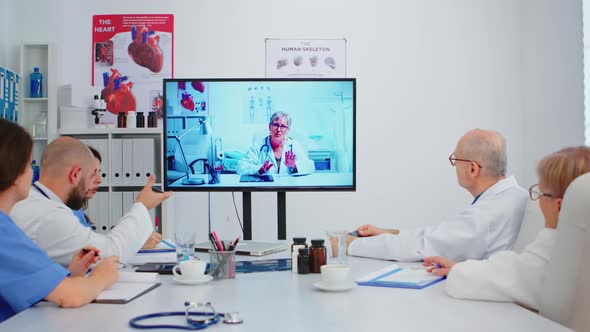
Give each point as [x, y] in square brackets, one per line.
[276, 153]
[489, 224]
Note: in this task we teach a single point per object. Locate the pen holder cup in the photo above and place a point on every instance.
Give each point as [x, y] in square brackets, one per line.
[222, 264]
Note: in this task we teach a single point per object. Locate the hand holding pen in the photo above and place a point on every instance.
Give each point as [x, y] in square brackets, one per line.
[438, 265]
[82, 260]
[92, 251]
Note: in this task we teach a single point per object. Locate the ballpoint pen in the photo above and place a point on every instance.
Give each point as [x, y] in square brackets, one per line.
[434, 265]
[125, 264]
[235, 244]
[85, 251]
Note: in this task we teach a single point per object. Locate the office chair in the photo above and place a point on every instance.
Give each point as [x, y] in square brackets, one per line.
[565, 287]
[580, 319]
[532, 224]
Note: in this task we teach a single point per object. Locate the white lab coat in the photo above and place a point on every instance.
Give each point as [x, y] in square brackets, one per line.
[506, 276]
[262, 150]
[489, 225]
[54, 227]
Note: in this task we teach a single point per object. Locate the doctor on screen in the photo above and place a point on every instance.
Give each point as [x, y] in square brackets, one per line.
[276, 153]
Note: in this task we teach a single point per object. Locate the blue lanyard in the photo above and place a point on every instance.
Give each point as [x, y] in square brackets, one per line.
[41, 191]
[476, 198]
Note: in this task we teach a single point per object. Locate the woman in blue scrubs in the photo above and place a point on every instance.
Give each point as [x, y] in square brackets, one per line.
[27, 274]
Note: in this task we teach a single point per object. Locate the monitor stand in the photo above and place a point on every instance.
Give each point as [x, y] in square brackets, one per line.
[281, 215]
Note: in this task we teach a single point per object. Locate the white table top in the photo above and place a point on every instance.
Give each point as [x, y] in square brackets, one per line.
[286, 301]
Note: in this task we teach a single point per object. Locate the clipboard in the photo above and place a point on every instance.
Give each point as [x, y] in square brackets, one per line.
[397, 277]
[130, 286]
[130, 292]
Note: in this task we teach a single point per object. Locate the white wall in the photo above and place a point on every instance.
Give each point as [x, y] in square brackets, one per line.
[9, 57]
[553, 77]
[427, 72]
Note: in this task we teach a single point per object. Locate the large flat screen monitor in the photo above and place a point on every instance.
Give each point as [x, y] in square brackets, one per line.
[259, 134]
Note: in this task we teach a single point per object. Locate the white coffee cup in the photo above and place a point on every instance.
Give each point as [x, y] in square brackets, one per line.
[191, 270]
[335, 273]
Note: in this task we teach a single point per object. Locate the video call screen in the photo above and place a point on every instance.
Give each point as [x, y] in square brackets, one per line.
[259, 134]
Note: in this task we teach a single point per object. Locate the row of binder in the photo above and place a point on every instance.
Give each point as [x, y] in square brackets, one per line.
[132, 160]
[106, 214]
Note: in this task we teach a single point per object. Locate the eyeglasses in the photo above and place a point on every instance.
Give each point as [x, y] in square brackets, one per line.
[279, 126]
[454, 160]
[535, 194]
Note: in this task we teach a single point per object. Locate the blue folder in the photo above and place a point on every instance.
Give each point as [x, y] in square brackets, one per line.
[380, 280]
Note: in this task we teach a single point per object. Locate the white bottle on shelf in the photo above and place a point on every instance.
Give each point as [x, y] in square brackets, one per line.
[40, 125]
[131, 119]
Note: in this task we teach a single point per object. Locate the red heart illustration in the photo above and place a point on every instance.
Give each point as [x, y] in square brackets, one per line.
[187, 101]
[144, 49]
[117, 94]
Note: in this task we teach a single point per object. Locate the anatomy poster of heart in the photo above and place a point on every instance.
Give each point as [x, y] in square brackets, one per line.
[131, 54]
[322, 58]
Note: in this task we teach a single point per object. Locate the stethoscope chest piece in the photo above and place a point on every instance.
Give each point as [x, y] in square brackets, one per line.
[232, 318]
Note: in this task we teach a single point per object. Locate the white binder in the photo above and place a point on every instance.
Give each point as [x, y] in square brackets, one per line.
[145, 158]
[116, 207]
[101, 145]
[128, 174]
[92, 212]
[103, 222]
[117, 161]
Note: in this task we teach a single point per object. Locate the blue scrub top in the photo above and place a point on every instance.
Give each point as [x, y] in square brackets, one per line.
[82, 218]
[27, 274]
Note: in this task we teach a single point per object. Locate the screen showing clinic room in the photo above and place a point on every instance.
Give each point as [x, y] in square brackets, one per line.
[259, 134]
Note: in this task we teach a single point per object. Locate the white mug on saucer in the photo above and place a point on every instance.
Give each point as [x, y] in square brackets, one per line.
[335, 273]
[191, 270]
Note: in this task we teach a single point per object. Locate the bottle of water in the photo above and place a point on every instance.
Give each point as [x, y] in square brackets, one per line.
[36, 171]
[36, 83]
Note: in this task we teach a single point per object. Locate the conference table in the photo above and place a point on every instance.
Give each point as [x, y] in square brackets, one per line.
[287, 301]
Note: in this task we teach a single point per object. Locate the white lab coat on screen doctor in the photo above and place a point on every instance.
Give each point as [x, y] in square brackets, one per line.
[489, 225]
[262, 150]
[54, 228]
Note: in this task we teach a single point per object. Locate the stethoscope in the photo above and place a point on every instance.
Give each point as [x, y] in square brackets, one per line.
[207, 318]
[265, 148]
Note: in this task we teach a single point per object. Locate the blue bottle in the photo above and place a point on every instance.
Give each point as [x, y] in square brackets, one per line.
[36, 83]
[36, 171]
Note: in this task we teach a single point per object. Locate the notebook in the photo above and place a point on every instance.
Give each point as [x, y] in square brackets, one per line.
[130, 286]
[251, 248]
[256, 178]
[395, 276]
[264, 265]
[163, 246]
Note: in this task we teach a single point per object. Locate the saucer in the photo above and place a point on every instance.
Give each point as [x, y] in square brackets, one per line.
[334, 287]
[202, 280]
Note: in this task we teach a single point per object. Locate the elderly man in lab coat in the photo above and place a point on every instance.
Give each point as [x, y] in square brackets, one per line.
[46, 216]
[489, 224]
